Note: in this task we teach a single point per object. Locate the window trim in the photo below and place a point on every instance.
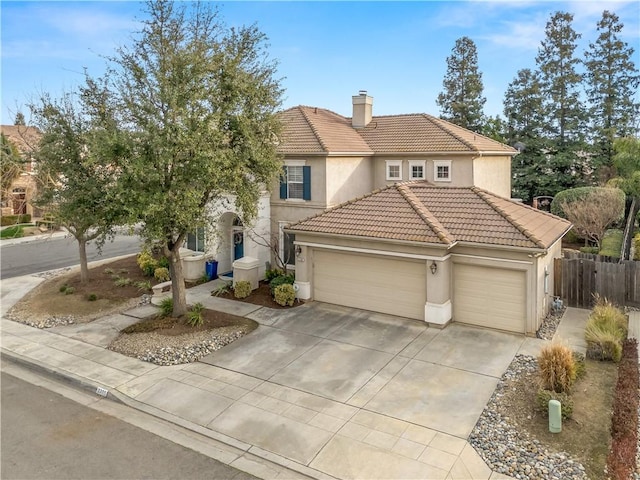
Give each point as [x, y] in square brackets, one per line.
[417, 163]
[393, 163]
[441, 163]
[196, 234]
[306, 181]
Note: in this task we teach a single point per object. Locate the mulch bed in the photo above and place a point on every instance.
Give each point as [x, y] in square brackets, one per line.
[261, 296]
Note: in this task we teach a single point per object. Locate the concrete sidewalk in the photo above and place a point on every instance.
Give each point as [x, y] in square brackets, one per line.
[268, 415]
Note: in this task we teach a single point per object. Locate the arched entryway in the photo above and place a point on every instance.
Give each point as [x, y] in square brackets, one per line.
[231, 241]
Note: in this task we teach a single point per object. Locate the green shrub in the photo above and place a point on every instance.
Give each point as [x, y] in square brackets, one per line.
[194, 316]
[280, 280]
[285, 295]
[636, 244]
[572, 237]
[556, 367]
[566, 402]
[108, 271]
[147, 263]
[163, 262]
[123, 282]
[593, 250]
[92, 297]
[166, 306]
[582, 194]
[69, 291]
[221, 289]
[7, 220]
[242, 289]
[63, 288]
[161, 274]
[272, 273]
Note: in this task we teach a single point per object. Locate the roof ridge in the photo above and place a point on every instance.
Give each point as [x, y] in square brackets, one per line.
[489, 198]
[442, 125]
[424, 213]
[313, 128]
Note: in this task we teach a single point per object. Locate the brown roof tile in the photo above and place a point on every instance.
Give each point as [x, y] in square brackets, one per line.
[422, 212]
[24, 138]
[316, 130]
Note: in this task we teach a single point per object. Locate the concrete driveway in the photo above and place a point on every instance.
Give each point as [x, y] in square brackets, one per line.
[395, 367]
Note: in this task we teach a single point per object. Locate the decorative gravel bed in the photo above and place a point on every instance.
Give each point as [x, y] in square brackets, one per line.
[510, 451]
[163, 349]
[550, 323]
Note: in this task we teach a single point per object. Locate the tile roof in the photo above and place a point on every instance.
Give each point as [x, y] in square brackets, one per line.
[422, 212]
[309, 130]
[24, 138]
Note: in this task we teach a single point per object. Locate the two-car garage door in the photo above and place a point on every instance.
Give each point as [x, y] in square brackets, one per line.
[489, 297]
[378, 283]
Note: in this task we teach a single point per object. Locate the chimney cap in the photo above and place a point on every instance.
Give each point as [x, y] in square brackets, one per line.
[362, 92]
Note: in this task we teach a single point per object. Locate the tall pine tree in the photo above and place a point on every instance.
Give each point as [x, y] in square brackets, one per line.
[563, 124]
[462, 101]
[611, 85]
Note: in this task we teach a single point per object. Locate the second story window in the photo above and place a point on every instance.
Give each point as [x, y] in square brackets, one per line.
[416, 169]
[295, 182]
[394, 169]
[442, 171]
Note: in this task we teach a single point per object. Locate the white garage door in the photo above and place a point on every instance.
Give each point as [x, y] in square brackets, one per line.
[490, 297]
[380, 284]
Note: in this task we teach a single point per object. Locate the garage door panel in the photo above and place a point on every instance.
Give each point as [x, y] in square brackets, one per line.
[491, 297]
[380, 284]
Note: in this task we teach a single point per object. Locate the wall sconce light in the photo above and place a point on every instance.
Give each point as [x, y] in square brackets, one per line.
[298, 250]
[434, 267]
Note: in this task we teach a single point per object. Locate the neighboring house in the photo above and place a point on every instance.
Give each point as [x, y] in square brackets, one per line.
[23, 189]
[433, 253]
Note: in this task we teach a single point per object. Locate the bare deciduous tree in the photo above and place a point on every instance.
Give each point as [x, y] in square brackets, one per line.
[592, 215]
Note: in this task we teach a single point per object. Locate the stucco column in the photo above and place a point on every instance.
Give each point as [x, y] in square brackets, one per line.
[303, 272]
[437, 310]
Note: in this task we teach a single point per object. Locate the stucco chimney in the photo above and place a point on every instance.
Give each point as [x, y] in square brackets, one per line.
[362, 109]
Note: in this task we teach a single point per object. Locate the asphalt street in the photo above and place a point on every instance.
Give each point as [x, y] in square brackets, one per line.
[48, 436]
[50, 253]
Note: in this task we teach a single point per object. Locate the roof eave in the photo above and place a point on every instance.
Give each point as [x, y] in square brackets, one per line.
[529, 250]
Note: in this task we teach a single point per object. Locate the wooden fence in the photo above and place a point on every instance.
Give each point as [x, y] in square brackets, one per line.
[580, 277]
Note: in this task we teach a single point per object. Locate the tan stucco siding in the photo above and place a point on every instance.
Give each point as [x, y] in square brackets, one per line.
[347, 178]
[545, 296]
[461, 169]
[493, 173]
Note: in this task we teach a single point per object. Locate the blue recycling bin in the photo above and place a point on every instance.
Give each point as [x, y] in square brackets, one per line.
[211, 269]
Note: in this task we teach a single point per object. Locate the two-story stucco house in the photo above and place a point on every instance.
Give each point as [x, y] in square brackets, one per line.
[402, 214]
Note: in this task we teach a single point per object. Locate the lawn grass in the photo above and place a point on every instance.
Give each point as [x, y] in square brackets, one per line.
[611, 243]
[14, 231]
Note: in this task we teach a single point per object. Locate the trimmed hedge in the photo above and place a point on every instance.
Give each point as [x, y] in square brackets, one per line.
[636, 243]
[7, 220]
[580, 194]
[621, 461]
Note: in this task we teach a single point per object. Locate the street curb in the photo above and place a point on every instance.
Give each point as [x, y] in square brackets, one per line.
[116, 396]
[62, 376]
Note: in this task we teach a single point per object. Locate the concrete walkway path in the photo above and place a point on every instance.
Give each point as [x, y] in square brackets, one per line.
[319, 391]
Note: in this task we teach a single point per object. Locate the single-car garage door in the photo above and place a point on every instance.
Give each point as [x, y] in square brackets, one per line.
[381, 284]
[490, 297]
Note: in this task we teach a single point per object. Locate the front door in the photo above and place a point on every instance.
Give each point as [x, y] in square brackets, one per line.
[238, 244]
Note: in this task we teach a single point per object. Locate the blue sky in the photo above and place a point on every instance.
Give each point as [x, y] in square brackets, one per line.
[327, 51]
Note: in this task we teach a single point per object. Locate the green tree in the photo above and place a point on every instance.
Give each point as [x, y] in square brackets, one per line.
[199, 100]
[626, 160]
[11, 165]
[611, 85]
[564, 113]
[77, 181]
[523, 111]
[19, 120]
[461, 102]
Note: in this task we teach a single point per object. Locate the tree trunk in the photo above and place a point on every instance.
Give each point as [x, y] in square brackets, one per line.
[178, 290]
[84, 268]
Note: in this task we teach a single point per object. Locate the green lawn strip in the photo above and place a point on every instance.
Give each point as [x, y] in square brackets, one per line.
[611, 243]
[15, 231]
